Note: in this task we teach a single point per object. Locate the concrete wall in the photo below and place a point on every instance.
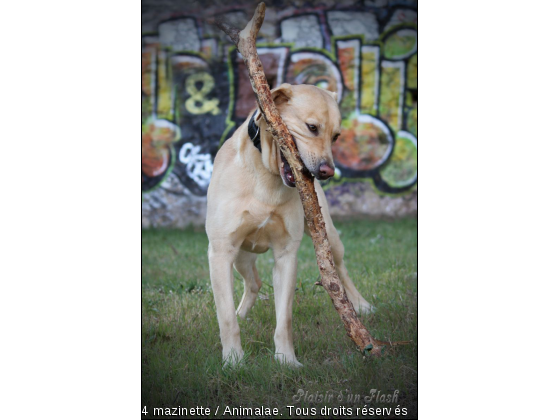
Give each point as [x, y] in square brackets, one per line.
[196, 92]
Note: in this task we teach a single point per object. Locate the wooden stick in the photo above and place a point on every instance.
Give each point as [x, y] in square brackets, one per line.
[245, 42]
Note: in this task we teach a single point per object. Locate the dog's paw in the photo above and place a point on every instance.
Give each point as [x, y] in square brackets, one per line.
[233, 359]
[295, 364]
[287, 361]
[365, 309]
[362, 306]
[242, 313]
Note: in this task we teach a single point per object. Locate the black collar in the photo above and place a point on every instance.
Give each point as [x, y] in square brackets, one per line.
[254, 134]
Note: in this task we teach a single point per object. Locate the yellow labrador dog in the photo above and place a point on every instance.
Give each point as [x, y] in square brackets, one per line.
[253, 206]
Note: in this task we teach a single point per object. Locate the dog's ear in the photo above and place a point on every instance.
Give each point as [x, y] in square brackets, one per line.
[282, 94]
[334, 95]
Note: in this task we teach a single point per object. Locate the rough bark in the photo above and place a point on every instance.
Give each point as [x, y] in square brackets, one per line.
[245, 41]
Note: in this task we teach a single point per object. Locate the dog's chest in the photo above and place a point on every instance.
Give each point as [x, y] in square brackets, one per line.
[262, 231]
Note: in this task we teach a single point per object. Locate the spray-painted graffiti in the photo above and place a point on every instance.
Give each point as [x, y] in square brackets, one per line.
[196, 92]
[198, 166]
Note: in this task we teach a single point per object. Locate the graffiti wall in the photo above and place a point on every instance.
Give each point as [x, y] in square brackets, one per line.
[196, 92]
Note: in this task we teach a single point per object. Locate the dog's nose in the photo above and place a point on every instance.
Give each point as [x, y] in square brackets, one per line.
[325, 171]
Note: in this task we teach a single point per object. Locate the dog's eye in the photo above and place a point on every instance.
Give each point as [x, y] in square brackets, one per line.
[335, 138]
[312, 127]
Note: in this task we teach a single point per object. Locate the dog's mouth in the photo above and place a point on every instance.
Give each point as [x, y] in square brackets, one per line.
[286, 172]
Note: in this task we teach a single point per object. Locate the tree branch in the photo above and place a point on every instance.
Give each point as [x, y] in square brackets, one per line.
[245, 41]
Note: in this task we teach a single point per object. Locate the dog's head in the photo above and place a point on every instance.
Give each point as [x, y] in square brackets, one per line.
[312, 117]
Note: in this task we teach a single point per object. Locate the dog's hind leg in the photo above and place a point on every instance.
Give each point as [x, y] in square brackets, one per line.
[221, 256]
[245, 265]
[360, 304]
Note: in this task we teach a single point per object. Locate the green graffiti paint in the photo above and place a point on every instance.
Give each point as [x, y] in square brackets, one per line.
[400, 44]
[164, 101]
[412, 72]
[392, 93]
[401, 170]
[370, 80]
[230, 124]
[412, 120]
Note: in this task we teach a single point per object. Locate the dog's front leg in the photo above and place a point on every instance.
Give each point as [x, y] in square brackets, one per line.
[221, 256]
[284, 279]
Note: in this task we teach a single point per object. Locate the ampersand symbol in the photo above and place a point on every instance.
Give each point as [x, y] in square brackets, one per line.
[198, 103]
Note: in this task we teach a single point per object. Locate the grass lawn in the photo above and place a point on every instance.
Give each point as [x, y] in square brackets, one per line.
[181, 350]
